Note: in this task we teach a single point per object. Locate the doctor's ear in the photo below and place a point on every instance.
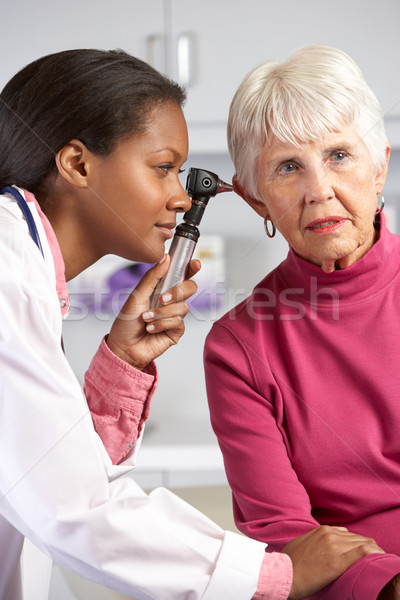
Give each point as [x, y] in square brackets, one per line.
[73, 163]
[255, 204]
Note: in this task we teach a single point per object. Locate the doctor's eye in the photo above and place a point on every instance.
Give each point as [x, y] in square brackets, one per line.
[168, 167]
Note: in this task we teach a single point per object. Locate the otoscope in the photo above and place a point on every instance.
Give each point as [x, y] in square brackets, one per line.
[201, 185]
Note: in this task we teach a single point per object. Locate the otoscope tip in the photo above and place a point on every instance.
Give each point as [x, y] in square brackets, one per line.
[224, 187]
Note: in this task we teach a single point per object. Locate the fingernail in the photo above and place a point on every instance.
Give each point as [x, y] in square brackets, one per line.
[150, 327]
[166, 298]
[162, 260]
[147, 316]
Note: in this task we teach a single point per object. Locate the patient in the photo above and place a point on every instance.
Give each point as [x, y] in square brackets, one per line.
[303, 377]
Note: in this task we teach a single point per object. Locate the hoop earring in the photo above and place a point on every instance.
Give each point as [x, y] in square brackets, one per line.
[379, 209]
[269, 233]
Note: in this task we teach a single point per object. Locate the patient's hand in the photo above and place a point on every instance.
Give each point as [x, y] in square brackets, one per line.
[322, 555]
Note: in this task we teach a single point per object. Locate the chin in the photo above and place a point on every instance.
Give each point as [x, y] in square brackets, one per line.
[141, 257]
[153, 257]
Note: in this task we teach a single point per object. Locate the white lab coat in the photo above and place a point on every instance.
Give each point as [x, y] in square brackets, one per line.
[58, 487]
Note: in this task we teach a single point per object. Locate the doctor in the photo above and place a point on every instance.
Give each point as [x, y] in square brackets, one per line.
[91, 144]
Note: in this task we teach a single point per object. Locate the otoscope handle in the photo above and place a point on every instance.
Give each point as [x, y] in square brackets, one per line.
[201, 185]
[181, 252]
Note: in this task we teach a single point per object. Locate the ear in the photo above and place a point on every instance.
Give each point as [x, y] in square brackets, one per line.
[73, 163]
[380, 177]
[255, 204]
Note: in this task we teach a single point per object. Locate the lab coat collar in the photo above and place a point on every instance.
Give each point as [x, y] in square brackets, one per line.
[59, 266]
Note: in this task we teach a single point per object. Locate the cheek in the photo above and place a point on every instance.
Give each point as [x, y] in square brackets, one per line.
[290, 230]
[366, 206]
[288, 215]
[284, 206]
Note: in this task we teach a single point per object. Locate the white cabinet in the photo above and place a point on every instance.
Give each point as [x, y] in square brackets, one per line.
[218, 41]
[229, 37]
[34, 28]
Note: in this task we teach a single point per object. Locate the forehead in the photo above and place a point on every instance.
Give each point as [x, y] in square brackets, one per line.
[167, 119]
[165, 129]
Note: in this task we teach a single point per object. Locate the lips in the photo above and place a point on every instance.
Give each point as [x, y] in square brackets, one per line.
[167, 228]
[326, 225]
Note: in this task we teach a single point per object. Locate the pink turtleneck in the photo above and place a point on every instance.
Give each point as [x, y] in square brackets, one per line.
[303, 380]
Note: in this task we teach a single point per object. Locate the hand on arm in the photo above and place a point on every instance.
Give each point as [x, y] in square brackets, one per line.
[138, 334]
[322, 555]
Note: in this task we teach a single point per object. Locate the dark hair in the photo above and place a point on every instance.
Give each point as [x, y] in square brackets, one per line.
[96, 96]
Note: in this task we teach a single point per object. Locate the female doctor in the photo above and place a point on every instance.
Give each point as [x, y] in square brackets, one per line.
[91, 144]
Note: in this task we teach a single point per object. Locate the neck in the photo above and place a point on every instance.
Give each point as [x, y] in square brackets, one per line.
[70, 230]
[330, 265]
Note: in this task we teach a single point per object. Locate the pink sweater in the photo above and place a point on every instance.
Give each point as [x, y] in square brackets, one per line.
[303, 380]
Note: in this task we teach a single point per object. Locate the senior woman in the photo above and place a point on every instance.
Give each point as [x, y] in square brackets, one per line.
[303, 377]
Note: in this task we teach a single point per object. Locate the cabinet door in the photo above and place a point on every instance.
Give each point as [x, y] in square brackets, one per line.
[33, 28]
[229, 37]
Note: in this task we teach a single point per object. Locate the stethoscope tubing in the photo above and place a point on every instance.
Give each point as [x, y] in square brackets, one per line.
[27, 214]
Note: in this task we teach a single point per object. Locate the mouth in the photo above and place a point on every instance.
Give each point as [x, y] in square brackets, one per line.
[166, 229]
[328, 225]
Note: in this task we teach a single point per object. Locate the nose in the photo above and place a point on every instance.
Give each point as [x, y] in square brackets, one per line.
[178, 199]
[318, 187]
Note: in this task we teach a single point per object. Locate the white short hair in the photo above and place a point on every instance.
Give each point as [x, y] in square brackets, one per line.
[317, 90]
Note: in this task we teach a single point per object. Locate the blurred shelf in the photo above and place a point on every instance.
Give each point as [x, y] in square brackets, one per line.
[180, 453]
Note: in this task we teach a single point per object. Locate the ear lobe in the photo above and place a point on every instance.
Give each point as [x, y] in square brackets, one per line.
[258, 206]
[72, 163]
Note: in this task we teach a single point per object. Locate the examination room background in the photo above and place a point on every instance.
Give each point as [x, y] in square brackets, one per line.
[208, 47]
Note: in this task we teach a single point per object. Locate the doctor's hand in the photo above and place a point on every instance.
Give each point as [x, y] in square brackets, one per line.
[140, 334]
[322, 555]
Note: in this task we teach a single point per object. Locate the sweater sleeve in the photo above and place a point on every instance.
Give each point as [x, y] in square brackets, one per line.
[269, 502]
[118, 396]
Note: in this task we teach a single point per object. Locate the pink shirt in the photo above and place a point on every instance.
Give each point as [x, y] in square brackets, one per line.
[303, 380]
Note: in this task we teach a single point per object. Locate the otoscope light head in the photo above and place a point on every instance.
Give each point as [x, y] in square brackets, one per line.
[202, 183]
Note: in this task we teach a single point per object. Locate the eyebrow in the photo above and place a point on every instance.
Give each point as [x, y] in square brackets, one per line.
[275, 162]
[340, 146]
[168, 149]
[345, 146]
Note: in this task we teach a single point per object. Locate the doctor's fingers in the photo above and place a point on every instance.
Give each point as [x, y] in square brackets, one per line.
[139, 297]
[364, 545]
[193, 268]
[144, 289]
[164, 318]
[178, 294]
[322, 555]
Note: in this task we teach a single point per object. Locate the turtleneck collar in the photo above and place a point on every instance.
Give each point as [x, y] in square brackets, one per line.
[369, 275]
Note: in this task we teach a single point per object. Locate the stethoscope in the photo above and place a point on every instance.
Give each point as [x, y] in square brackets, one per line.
[27, 214]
